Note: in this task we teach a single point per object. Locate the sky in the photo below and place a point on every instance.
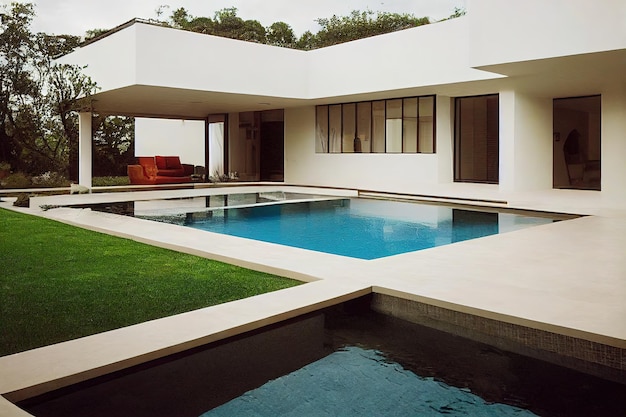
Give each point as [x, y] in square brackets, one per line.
[75, 17]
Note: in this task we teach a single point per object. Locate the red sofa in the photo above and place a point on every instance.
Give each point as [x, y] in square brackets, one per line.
[159, 170]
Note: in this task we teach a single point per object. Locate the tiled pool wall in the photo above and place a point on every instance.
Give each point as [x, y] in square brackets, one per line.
[604, 361]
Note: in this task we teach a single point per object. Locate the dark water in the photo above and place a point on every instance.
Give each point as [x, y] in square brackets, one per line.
[446, 374]
[494, 375]
[356, 382]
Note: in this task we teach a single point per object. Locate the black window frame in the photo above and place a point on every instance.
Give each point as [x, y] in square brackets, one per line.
[371, 125]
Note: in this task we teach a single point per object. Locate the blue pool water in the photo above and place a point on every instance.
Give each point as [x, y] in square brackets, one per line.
[360, 382]
[360, 228]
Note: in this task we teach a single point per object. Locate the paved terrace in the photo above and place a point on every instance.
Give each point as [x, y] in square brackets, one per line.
[567, 278]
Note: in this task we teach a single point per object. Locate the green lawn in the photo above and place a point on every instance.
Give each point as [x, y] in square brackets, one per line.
[60, 282]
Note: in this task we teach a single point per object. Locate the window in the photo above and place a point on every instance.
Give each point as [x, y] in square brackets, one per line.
[348, 127]
[334, 128]
[364, 127]
[476, 139]
[576, 143]
[404, 125]
[321, 129]
[378, 126]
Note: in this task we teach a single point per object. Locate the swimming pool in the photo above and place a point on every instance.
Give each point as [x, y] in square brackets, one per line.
[355, 227]
[330, 363]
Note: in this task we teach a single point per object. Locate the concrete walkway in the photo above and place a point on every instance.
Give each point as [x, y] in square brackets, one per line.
[567, 277]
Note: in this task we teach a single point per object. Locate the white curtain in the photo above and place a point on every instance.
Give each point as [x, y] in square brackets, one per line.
[216, 148]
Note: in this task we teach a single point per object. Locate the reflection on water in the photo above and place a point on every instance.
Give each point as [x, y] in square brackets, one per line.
[360, 382]
[358, 228]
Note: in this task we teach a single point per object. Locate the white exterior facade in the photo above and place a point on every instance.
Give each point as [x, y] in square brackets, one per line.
[528, 53]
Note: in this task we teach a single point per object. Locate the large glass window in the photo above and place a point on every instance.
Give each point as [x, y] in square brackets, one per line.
[363, 142]
[476, 144]
[321, 129]
[348, 127]
[404, 125]
[576, 143]
[426, 131]
[409, 125]
[393, 126]
[334, 128]
[378, 126]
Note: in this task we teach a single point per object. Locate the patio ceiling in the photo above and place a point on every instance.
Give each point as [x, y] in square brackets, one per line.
[176, 103]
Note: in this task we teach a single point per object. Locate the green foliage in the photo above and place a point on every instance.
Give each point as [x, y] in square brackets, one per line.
[38, 97]
[334, 30]
[114, 145]
[281, 34]
[229, 25]
[16, 180]
[94, 33]
[50, 179]
[60, 282]
[108, 181]
[458, 12]
[225, 23]
[359, 25]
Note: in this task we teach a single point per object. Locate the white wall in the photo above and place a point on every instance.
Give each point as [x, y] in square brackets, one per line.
[111, 61]
[184, 138]
[512, 31]
[423, 56]
[181, 59]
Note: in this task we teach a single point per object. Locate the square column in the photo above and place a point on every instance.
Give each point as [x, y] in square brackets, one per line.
[525, 142]
[85, 140]
[445, 139]
[613, 147]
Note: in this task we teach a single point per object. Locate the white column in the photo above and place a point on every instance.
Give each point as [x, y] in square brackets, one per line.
[525, 142]
[613, 146]
[445, 140]
[506, 163]
[85, 141]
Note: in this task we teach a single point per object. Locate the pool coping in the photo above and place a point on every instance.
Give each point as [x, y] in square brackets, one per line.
[592, 311]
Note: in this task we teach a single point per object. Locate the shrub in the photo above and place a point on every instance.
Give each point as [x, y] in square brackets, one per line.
[50, 179]
[16, 180]
[110, 181]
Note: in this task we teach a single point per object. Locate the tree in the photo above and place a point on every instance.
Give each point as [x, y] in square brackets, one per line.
[229, 25]
[180, 18]
[306, 41]
[114, 144]
[225, 23]
[280, 34]
[94, 33]
[37, 96]
[337, 29]
[360, 25]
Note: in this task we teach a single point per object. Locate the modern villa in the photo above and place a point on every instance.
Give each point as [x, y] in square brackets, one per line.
[516, 106]
[519, 98]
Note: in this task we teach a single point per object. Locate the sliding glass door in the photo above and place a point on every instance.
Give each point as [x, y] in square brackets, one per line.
[476, 142]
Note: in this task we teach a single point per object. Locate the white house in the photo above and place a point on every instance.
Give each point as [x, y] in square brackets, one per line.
[519, 97]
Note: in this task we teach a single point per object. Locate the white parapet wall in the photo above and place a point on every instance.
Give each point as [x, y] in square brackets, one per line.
[506, 31]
